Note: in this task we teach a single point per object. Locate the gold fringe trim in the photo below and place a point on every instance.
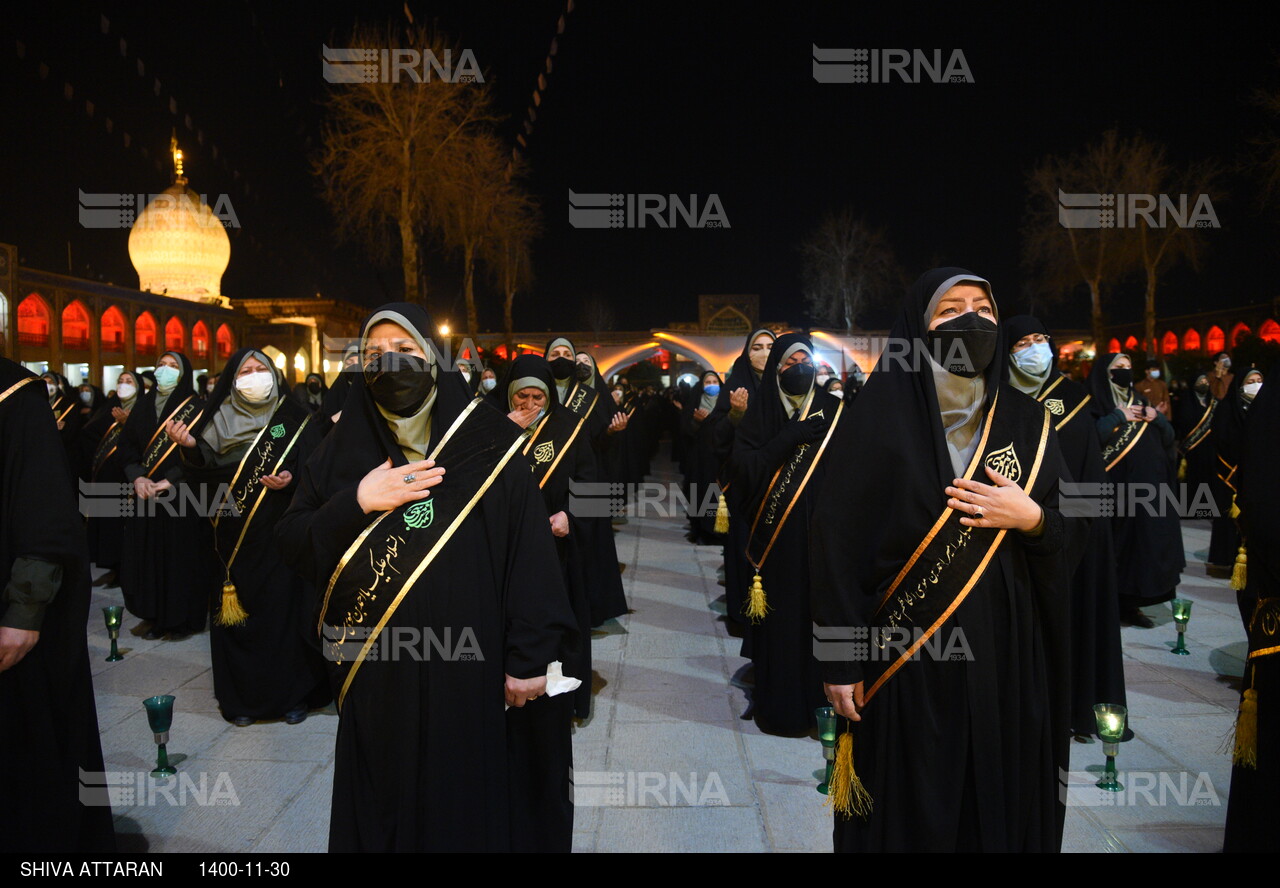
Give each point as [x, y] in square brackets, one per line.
[1239, 573]
[232, 613]
[846, 794]
[722, 516]
[757, 606]
[1245, 753]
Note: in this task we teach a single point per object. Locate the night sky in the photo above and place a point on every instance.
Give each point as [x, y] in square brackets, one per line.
[693, 98]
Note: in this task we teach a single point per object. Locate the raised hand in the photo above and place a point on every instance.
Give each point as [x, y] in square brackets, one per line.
[385, 487]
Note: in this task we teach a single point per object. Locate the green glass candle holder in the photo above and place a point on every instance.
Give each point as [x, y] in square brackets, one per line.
[1110, 718]
[113, 616]
[1181, 615]
[826, 717]
[160, 717]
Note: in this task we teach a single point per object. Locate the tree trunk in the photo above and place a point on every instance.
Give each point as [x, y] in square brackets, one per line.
[468, 285]
[408, 242]
[1149, 315]
[1095, 317]
[508, 325]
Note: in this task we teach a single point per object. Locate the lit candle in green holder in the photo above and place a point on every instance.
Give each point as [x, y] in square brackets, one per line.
[1110, 718]
[113, 616]
[1181, 614]
[826, 717]
[160, 717]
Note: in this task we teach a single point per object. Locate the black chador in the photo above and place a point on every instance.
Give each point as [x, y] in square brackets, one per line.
[600, 564]
[743, 374]
[265, 665]
[956, 632]
[559, 454]
[48, 724]
[1229, 424]
[427, 608]
[1255, 778]
[1137, 456]
[100, 444]
[778, 463]
[167, 563]
[1097, 667]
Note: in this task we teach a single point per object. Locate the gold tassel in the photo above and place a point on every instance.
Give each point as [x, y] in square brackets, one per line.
[757, 607]
[846, 794]
[1235, 510]
[1246, 746]
[1239, 573]
[1182, 469]
[722, 516]
[231, 613]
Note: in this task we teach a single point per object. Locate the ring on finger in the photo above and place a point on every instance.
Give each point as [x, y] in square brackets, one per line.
[409, 478]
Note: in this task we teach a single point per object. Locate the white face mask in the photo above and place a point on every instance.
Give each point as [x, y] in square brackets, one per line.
[1155, 374]
[126, 391]
[208, 387]
[488, 384]
[255, 386]
[86, 397]
[53, 389]
[1251, 390]
[822, 379]
[1034, 360]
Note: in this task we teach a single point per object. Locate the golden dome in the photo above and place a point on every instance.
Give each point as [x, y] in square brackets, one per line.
[178, 245]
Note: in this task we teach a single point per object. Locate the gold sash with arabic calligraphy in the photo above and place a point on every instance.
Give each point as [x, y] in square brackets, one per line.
[107, 446]
[1062, 405]
[1122, 441]
[160, 446]
[265, 456]
[387, 560]
[785, 488]
[953, 557]
[544, 451]
[582, 399]
[65, 413]
[1202, 430]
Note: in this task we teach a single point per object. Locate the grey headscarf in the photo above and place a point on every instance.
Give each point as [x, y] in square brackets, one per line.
[562, 388]
[1121, 396]
[959, 399]
[412, 433]
[162, 397]
[238, 420]
[790, 403]
[708, 402]
[137, 386]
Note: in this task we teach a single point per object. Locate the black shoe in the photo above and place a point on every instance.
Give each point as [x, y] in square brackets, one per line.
[242, 721]
[296, 716]
[1137, 618]
[153, 635]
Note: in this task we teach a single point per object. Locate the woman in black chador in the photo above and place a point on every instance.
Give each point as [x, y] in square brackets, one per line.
[1229, 424]
[166, 564]
[558, 453]
[698, 423]
[443, 601]
[100, 445]
[940, 590]
[48, 725]
[738, 394]
[1097, 668]
[1137, 453]
[250, 438]
[779, 460]
[1255, 779]
[1193, 414]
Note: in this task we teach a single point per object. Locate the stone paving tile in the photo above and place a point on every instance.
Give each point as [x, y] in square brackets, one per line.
[639, 830]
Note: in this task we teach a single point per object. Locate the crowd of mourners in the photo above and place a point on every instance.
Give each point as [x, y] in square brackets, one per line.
[942, 550]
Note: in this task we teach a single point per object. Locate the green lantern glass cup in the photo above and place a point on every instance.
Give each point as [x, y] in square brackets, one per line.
[1110, 718]
[113, 616]
[160, 717]
[1181, 614]
[826, 717]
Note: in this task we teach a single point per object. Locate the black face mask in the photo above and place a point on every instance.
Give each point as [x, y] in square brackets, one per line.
[561, 368]
[583, 371]
[399, 382]
[1122, 376]
[313, 387]
[964, 345]
[797, 379]
[1202, 387]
